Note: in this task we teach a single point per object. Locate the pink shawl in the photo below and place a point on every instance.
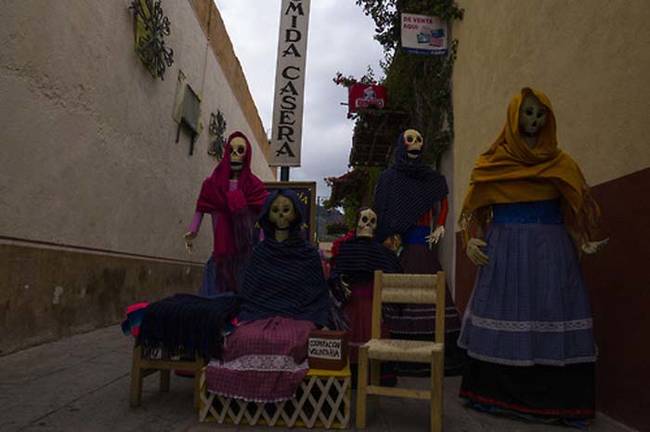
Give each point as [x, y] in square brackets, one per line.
[215, 197]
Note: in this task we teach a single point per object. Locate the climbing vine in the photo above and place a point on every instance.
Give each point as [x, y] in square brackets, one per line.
[417, 85]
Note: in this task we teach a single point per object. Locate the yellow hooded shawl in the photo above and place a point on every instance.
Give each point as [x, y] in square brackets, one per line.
[510, 171]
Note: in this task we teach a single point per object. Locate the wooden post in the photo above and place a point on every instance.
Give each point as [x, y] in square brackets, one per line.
[136, 378]
[362, 384]
[440, 307]
[437, 372]
[375, 372]
[198, 366]
[164, 373]
[375, 330]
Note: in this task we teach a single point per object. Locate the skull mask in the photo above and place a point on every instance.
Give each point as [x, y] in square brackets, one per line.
[282, 213]
[237, 153]
[413, 142]
[366, 223]
[532, 116]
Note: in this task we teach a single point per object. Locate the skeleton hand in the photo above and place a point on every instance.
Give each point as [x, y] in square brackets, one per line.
[591, 248]
[435, 236]
[189, 236]
[475, 253]
[346, 289]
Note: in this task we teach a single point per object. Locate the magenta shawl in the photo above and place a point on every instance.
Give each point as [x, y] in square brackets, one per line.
[215, 198]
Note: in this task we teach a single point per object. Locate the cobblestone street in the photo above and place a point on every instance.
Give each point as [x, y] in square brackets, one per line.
[81, 383]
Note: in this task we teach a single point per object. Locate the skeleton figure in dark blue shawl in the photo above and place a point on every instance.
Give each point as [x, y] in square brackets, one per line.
[284, 276]
[411, 201]
[407, 189]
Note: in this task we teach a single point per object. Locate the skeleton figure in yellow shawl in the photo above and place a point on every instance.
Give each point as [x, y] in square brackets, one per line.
[527, 328]
[525, 164]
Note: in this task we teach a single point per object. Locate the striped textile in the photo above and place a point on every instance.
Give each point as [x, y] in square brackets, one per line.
[185, 324]
[285, 278]
[405, 191]
[264, 361]
[358, 258]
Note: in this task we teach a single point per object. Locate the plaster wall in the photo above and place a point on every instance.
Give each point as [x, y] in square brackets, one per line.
[89, 156]
[591, 59]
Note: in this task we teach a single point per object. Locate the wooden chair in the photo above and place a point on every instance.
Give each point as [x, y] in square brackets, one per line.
[404, 288]
[142, 367]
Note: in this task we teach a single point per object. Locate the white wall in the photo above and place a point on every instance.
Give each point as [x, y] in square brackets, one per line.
[87, 139]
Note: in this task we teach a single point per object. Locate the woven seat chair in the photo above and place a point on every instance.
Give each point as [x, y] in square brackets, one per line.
[404, 288]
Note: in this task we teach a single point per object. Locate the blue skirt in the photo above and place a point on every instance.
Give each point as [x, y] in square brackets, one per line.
[529, 305]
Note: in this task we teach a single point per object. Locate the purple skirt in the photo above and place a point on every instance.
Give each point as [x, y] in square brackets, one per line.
[529, 305]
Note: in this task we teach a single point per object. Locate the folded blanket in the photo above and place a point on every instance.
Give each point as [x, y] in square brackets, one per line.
[186, 324]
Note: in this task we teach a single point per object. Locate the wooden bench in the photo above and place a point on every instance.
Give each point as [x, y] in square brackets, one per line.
[322, 400]
[142, 367]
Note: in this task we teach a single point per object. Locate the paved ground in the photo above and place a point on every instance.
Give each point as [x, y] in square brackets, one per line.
[81, 384]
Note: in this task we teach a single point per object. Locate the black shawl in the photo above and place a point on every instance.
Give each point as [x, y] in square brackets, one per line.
[360, 257]
[285, 278]
[185, 324]
[404, 192]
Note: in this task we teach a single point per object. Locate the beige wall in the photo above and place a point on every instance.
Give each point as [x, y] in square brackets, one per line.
[591, 58]
[88, 141]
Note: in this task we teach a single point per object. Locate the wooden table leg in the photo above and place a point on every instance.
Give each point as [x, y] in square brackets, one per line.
[136, 378]
[198, 367]
[164, 373]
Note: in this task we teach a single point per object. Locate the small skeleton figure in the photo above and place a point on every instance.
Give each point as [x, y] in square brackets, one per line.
[355, 258]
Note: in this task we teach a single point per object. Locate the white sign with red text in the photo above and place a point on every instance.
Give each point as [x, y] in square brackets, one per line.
[422, 34]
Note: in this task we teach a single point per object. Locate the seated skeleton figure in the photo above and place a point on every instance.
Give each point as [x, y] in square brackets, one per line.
[284, 297]
[357, 257]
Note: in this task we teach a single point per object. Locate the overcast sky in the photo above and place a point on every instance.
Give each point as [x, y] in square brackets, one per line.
[340, 39]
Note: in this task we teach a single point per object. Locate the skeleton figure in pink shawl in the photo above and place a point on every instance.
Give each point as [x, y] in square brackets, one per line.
[233, 196]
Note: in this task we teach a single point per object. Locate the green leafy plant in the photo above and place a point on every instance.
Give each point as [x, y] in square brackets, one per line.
[417, 85]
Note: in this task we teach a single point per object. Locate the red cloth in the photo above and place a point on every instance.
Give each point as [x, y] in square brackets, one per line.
[336, 244]
[358, 311]
[426, 218]
[215, 197]
[263, 361]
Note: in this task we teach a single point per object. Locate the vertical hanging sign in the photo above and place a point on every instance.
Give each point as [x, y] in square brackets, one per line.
[286, 135]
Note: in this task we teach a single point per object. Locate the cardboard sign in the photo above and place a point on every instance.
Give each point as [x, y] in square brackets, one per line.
[422, 34]
[327, 349]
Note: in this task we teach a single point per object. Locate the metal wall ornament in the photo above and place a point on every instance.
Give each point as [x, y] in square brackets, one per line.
[217, 129]
[151, 27]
